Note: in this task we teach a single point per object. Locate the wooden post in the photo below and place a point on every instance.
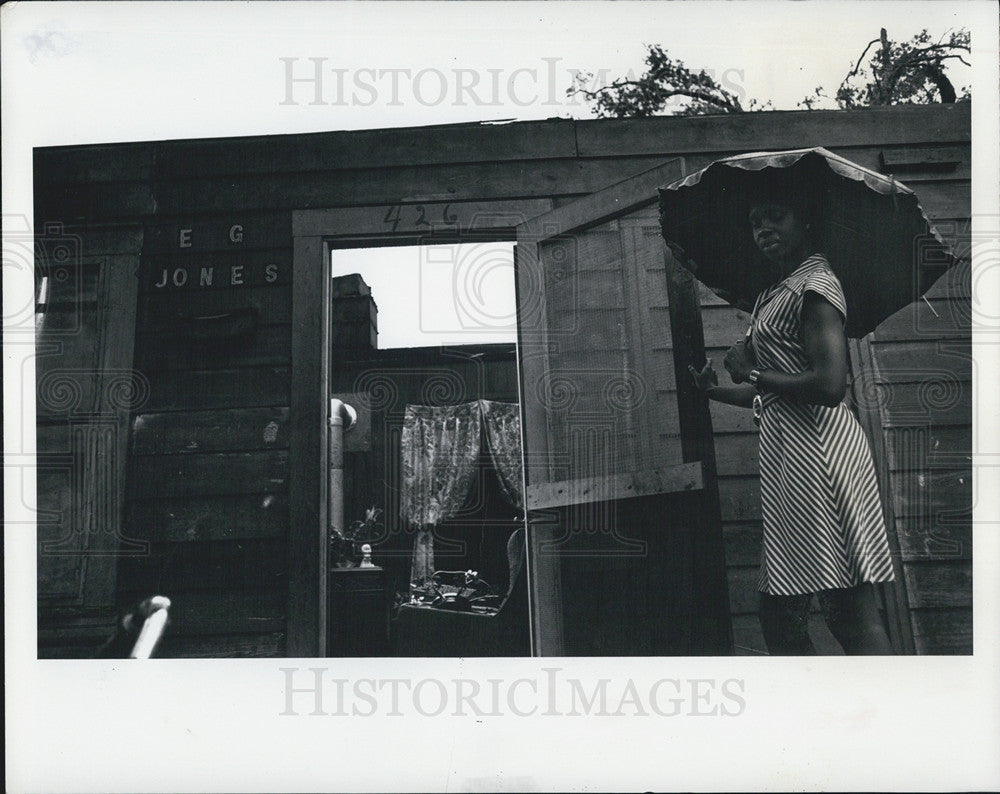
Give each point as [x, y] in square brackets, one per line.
[897, 604]
[307, 456]
[713, 634]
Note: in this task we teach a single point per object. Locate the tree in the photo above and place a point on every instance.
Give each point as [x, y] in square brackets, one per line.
[665, 80]
[910, 72]
[896, 74]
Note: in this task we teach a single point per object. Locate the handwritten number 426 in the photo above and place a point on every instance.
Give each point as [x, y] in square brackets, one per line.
[421, 215]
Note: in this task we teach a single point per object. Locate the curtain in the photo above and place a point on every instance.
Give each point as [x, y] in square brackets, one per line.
[440, 450]
[503, 438]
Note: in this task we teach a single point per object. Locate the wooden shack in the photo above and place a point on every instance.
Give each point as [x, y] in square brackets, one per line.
[188, 343]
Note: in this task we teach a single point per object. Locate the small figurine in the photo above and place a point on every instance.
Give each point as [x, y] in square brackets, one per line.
[366, 556]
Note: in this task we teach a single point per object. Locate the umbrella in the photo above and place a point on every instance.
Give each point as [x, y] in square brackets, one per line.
[871, 228]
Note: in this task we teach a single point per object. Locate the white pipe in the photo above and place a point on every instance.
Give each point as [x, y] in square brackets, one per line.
[342, 417]
[152, 628]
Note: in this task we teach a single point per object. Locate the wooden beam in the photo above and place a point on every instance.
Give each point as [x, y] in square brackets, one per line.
[615, 200]
[307, 542]
[424, 220]
[685, 477]
[698, 444]
[796, 129]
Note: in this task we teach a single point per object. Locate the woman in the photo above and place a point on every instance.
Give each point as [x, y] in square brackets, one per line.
[824, 533]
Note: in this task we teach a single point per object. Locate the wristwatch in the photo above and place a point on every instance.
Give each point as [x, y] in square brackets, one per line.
[754, 376]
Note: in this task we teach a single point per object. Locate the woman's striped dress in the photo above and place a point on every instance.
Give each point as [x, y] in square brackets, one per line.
[823, 524]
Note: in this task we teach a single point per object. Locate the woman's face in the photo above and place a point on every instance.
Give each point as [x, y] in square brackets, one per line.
[778, 233]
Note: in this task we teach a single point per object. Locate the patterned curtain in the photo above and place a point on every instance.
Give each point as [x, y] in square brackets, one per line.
[440, 450]
[503, 437]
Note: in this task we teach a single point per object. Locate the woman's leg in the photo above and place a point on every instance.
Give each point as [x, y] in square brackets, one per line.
[854, 619]
[785, 623]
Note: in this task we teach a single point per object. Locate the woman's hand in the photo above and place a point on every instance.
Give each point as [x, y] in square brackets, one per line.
[706, 378]
[738, 362]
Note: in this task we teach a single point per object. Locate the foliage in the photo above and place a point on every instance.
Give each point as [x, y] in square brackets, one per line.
[911, 72]
[664, 82]
[345, 545]
[895, 73]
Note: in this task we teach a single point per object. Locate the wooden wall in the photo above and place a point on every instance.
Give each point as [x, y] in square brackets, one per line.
[208, 474]
[919, 394]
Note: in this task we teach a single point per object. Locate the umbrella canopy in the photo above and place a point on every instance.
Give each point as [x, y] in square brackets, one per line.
[871, 228]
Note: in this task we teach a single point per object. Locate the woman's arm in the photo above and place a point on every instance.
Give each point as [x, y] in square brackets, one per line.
[708, 381]
[824, 380]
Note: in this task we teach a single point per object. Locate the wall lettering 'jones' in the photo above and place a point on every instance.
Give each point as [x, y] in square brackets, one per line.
[213, 276]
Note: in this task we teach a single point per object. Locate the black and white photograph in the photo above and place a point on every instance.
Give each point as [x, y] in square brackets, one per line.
[476, 396]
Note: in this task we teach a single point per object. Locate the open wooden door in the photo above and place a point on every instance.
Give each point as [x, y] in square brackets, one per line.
[624, 533]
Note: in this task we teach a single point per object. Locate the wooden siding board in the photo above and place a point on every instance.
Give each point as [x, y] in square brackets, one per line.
[163, 310]
[213, 613]
[743, 543]
[932, 446]
[939, 584]
[778, 130]
[180, 390]
[177, 568]
[922, 361]
[294, 154]
[212, 474]
[265, 346]
[740, 499]
[235, 518]
[921, 541]
[223, 646]
[937, 495]
[946, 631]
[238, 429]
[912, 127]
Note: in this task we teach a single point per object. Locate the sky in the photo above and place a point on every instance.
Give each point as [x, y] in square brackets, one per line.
[81, 73]
[108, 72]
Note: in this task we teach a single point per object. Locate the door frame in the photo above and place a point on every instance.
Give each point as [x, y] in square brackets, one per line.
[316, 233]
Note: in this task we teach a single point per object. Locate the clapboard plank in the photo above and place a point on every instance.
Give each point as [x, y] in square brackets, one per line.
[193, 235]
[217, 271]
[943, 631]
[921, 540]
[242, 429]
[939, 584]
[215, 613]
[223, 646]
[737, 454]
[321, 189]
[743, 543]
[835, 130]
[208, 518]
[740, 498]
[246, 388]
[211, 474]
[920, 361]
[933, 401]
[929, 447]
[945, 128]
[163, 311]
[744, 598]
[213, 565]
[267, 346]
[932, 496]
[941, 318]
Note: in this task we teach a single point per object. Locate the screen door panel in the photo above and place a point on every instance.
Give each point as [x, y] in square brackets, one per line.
[603, 457]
